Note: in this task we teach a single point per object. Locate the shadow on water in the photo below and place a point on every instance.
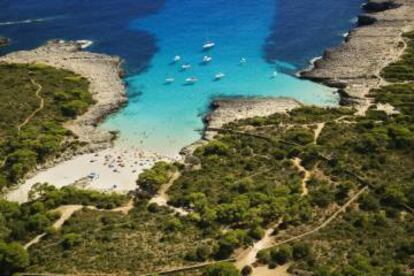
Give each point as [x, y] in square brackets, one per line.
[326, 18]
[104, 22]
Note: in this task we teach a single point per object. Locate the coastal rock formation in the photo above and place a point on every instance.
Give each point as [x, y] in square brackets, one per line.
[3, 41]
[103, 73]
[379, 5]
[229, 110]
[354, 66]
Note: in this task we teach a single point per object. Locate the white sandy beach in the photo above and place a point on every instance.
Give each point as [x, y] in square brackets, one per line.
[116, 169]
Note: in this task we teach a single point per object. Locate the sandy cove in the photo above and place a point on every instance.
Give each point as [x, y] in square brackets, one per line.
[99, 165]
[111, 170]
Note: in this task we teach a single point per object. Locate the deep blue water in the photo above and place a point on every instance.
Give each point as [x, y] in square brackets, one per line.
[270, 34]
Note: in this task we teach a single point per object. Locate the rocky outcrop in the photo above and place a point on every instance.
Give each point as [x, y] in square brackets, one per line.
[366, 19]
[354, 66]
[3, 41]
[228, 110]
[380, 5]
[103, 73]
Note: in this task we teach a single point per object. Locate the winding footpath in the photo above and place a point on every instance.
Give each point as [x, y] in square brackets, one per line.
[27, 120]
[297, 162]
[162, 197]
[66, 212]
[342, 209]
[41, 105]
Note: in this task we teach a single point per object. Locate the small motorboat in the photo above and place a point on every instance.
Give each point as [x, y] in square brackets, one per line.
[186, 66]
[191, 80]
[207, 59]
[243, 61]
[274, 75]
[208, 45]
[219, 76]
[169, 80]
[177, 58]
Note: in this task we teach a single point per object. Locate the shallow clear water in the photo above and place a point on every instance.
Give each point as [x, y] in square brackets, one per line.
[270, 34]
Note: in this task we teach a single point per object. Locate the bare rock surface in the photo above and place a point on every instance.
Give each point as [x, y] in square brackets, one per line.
[354, 66]
[229, 110]
[104, 75]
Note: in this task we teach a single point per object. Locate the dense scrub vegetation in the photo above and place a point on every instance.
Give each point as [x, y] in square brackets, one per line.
[244, 182]
[148, 239]
[65, 96]
[402, 70]
[21, 223]
[150, 180]
[380, 150]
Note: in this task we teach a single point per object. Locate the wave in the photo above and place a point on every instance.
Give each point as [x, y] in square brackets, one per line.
[26, 21]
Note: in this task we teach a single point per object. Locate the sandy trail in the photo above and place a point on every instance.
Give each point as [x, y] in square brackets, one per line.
[307, 175]
[41, 105]
[281, 270]
[318, 131]
[248, 257]
[162, 197]
[326, 222]
[66, 212]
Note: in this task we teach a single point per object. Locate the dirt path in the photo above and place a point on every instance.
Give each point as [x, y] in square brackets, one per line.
[66, 212]
[248, 257]
[27, 120]
[318, 130]
[326, 222]
[41, 105]
[306, 175]
[162, 197]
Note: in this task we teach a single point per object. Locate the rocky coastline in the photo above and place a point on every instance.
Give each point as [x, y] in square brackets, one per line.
[226, 110]
[106, 86]
[104, 74]
[354, 66]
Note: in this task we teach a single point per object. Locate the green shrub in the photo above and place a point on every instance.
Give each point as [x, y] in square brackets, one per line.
[221, 269]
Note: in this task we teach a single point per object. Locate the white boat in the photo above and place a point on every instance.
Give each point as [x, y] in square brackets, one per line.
[208, 45]
[207, 59]
[219, 76]
[84, 43]
[169, 80]
[186, 66]
[191, 80]
[274, 75]
[243, 61]
[177, 58]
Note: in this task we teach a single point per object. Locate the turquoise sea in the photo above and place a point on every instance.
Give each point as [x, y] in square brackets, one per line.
[271, 35]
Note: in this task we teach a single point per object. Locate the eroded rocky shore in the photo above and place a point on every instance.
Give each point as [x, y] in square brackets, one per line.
[355, 65]
[229, 110]
[106, 86]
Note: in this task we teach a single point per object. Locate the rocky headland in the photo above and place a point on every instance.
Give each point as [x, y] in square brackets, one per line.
[354, 66]
[228, 110]
[106, 86]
